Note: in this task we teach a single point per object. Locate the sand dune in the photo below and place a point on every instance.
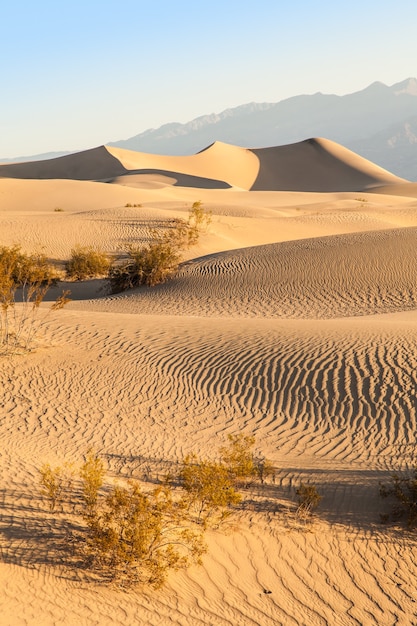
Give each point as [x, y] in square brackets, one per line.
[294, 319]
[327, 277]
[311, 165]
[317, 165]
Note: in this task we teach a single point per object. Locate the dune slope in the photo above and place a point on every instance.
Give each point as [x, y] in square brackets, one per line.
[317, 165]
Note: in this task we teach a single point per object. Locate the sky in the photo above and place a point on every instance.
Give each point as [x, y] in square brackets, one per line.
[81, 73]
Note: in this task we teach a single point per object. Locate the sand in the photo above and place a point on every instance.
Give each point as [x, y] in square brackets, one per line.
[293, 319]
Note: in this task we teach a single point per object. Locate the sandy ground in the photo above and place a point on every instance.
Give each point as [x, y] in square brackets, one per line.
[294, 319]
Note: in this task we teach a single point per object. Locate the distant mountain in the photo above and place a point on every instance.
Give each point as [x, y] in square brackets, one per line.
[35, 157]
[366, 121]
[378, 122]
[394, 148]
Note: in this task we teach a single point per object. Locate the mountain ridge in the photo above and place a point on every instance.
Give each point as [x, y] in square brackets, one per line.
[372, 122]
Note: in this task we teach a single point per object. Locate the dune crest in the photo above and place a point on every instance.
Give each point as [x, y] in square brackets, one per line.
[236, 166]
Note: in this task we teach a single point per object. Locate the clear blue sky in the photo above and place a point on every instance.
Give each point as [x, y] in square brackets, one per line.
[78, 74]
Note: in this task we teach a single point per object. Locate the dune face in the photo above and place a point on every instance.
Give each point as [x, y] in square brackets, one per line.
[317, 165]
[324, 278]
[94, 164]
[294, 319]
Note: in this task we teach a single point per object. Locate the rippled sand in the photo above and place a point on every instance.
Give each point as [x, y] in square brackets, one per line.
[294, 320]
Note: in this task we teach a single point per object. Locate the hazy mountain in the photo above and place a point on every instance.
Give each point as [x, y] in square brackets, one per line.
[378, 122]
[35, 157]
[394, 148]
[366, 121]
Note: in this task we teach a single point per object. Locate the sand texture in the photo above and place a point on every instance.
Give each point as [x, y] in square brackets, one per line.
[294, 319]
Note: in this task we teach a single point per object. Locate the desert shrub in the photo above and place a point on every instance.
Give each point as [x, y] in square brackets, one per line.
[241, 462]
[87, 262]
[198, 221]
[308, 499]
[403, 490]
[156, 261]
[146, 265]
[209, 487]
[24, 279]
[137, 537]
[92, 476]
[130, 535]
[237, 456]
[56, 483]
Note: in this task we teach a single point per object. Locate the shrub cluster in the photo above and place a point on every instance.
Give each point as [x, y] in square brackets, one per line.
[137, 535]
[26, 279]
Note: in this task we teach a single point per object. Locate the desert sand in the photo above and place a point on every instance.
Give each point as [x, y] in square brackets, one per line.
[294, 319]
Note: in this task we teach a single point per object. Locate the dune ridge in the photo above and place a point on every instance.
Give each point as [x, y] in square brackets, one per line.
[311, 165]
[293, 319]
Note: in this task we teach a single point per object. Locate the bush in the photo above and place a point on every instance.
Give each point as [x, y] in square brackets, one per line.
[157, 261]
[308, 499]
[137, 537]
[87, 262]
[129, 535]
[403, 488]
[56, 483]
[209, 487]
[25, 279]
[240, 460]
[146, 265]
[92, 475]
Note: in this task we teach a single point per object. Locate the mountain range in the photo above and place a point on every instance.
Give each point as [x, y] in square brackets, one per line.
[378, 122]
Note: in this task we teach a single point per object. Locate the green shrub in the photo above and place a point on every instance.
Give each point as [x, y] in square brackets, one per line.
[24, 279]
[87, 262]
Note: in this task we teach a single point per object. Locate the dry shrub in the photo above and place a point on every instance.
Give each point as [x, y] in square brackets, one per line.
[241, 462]
[146, 265]
[308, 499]
[24, 279]
[56, 483]
[210, 489]
[87, 262]
[156, 261]
[135, 536]
[138, 537]
[403, 489]
[130, 536]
